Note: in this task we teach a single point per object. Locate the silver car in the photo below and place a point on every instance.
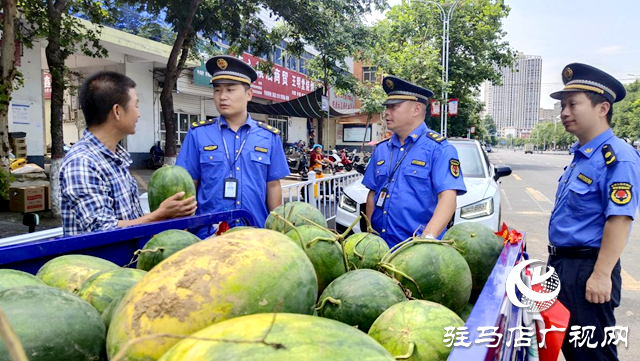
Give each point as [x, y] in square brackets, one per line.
[480, 204]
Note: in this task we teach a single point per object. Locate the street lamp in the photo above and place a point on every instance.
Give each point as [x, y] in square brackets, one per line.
[445, 17]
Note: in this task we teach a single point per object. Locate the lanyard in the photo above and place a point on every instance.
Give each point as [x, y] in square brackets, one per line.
[226, 149]
[401, 159]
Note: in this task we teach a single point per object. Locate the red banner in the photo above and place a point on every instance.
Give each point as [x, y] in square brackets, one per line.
[452, 108]
[46, 84]
[435, 108]
[284, 85]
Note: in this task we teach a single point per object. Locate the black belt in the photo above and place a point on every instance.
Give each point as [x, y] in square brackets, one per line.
[576, 252]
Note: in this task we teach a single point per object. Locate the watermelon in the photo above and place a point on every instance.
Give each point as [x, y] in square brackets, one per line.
[358, 297]
[163, 245]
[52, 324]
[11, 278]
[107, 314]
[166, 182]
[101, 288]
[480, 247]
[327, 256]
[286, 337]
[414, 330]
[466, 312]
[69, 272]
[257, 271]
[298, 213]
[365, 250]
[438, 273]
[240, 228]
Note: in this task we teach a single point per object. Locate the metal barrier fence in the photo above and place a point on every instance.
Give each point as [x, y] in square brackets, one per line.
[321, 192]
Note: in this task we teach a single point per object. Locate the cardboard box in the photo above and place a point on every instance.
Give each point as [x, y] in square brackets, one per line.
[27, 199]
[47, 198]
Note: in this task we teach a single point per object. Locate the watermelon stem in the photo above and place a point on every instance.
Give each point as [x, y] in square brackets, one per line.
[369, 228]
[136, 255]
[324, 302]
[409, 353]
[391, 268]
[344, 235]
[288, 222]
[11, 340]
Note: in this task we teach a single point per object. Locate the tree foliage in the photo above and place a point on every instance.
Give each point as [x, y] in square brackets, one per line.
[626, 114]
[408, 44]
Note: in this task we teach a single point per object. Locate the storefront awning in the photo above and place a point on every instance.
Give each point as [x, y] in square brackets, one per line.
[308, 106]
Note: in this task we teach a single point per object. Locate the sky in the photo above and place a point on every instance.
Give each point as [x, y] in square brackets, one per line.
[605, 34]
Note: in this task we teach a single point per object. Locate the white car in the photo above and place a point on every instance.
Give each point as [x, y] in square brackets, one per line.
[480, 204]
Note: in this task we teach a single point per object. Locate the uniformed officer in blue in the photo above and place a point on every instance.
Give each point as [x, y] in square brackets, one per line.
[595, 204]
[235, 161]
[414, 176]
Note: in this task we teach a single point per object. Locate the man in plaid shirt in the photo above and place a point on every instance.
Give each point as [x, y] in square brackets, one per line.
[96, 189]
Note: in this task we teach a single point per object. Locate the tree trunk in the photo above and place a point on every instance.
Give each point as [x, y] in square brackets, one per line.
[174, 67]
[8, 73]
[55, 61]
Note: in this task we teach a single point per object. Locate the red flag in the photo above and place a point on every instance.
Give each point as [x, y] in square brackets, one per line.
[435, 107]
[453, 107]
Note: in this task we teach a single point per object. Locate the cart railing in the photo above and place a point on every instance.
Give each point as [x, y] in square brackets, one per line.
[322, 193]
[115, 245]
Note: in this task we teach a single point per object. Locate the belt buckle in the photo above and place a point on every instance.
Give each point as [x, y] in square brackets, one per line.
[551, 249]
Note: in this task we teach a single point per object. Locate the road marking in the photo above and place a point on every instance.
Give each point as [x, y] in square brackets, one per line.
[537, 195]
[516, 176]
[504, 195]
[144, 184]
[628, 282]
[532, 213]
[533, 194]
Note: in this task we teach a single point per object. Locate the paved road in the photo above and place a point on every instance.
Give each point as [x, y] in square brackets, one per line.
[527, 201]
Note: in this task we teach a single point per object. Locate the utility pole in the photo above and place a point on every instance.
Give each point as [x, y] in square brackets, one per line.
[445, 17]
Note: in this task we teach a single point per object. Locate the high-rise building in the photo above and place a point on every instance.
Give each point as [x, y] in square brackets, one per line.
[546, 115]
[516, 103]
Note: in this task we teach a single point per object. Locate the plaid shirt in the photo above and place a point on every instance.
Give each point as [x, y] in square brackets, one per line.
[96, 188]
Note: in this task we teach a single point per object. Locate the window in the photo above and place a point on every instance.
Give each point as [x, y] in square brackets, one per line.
[292, 63]
[280, 122]
[369, 74]
[277, 56]
[305, 57]
[183, 122]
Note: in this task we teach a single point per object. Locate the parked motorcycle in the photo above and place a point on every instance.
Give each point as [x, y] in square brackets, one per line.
[157, 157]
[298, 163]
[346, 161]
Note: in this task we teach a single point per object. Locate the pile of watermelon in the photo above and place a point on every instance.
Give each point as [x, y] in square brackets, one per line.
[293, 290]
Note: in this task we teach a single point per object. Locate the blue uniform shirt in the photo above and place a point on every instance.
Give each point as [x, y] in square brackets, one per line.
[590, 191]
[261, 160]
[430, 167]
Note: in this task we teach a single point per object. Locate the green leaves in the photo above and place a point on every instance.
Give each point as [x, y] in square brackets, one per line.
[626, 114]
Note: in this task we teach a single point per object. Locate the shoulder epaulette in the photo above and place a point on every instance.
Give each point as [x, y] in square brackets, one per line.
[382, 141]
[203, 122]
[610, 158]
[273, 130]
[436, 137]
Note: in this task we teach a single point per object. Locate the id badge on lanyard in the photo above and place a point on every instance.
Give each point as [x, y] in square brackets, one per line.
[230, 188]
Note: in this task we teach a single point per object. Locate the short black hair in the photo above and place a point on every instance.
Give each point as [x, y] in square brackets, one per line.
[100, 92]
[596, 99]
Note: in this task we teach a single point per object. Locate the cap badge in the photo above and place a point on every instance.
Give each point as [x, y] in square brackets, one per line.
[222, 64]
[568, 73]
[389, 83]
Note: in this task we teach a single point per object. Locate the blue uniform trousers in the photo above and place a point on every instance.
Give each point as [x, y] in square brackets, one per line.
[574, 273]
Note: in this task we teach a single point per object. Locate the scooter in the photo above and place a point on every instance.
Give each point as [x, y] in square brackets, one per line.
[337, 161]
[157, 157]
[348, 163]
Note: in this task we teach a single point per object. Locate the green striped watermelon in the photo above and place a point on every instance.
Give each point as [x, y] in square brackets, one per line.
[163, 245]
[69, 272]
[52, 324]
[11, 278]
[102, 288]
[166, 182]
[358, 297]
[298, 213]
[365, 250]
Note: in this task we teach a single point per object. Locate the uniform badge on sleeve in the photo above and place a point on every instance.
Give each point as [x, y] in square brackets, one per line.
[621, 193]
[454, 167]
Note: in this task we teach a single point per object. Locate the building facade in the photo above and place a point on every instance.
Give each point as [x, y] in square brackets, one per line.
[516, 103]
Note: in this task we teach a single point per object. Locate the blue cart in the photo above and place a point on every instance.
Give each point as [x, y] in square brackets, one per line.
[116, 245]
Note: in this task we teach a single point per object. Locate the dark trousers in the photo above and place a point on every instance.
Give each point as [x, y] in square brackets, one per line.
[573, 274]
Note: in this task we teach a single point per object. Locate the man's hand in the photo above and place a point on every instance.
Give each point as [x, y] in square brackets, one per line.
[173, 207]
[598, 288]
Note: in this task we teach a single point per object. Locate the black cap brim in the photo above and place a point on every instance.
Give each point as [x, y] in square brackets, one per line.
[393, 101]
